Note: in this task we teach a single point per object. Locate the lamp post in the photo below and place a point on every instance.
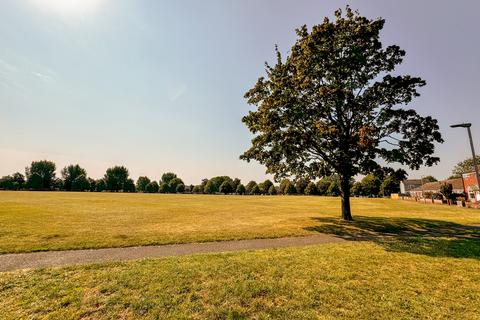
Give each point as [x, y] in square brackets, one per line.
[468, 126]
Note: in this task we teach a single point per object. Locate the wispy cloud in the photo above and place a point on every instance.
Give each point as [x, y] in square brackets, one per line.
[43, 77]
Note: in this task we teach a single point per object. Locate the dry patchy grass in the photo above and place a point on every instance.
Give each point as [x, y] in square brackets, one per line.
[34, 221]
[357, 280]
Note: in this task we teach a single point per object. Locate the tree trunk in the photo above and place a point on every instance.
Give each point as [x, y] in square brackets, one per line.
[345, 194]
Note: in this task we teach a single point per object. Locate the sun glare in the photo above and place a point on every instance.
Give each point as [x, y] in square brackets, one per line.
[69, 7]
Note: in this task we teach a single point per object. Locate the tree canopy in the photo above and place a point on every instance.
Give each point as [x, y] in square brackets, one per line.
[142, 183]
[334, 105]
[70, 173]
[465, 166]
[40, 175]
[116, 179]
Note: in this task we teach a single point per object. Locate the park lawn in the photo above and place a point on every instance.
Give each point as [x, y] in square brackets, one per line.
[36, 221]
[355, 280]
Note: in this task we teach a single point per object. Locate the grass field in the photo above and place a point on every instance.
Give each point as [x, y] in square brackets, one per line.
[357, 280]
[415, 261]
[34, 221]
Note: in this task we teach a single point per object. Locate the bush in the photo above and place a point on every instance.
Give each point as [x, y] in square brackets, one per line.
[142, 183]
[174, 184]
[116, 179]
[167, 177]
[283, 185]
[35, 182]
[164, 187]
[197, 189]
[272, 191]
[235, 183]
[240, 189]
[250, 186]
[290, 188]
[311, 189]
[71, 173]
[255, 190]
[40, 175]
[357, 189]
[129, 186]
[300, 185]
[210, 187]
[180, 188]
[93, 184]
[322, 186]
[13, 182]
[80, 183]
[101, 185]
[152, 187]
[333, 188]
[265, 186]
[226, 187]
[6, 183]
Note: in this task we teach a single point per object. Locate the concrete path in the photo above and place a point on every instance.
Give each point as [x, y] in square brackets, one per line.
[11, 262]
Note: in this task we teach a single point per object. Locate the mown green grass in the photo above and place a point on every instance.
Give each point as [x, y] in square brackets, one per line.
[34, 221]
[356, 280]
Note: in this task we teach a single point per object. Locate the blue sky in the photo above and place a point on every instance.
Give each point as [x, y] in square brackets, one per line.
[158, 85]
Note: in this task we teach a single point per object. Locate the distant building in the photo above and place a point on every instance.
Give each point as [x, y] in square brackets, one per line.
[470, 184]
[434, 187]
[408, 185]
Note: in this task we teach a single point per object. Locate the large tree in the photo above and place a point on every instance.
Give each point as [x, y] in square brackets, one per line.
[465, 166]
[116, 179]
[334, 105]
[40, 175]
[142, 183]
[72, 172]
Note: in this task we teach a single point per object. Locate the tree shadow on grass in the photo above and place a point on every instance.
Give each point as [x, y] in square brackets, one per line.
[420, 236]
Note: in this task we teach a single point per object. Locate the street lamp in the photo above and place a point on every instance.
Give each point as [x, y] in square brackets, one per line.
[468, 126]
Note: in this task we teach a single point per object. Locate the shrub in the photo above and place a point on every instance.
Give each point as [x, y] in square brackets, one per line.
[240, 189]
[283, 185]
[174, 184]
[255, 190]
[40, 175]
[80, 183]
[116, 179]
[300, 185]
[226, 187]
[210, 187]
[164, 187]
[180, 188]
[235, 183]
[250, 186]
[129, 186]
[70, 173]
[311, 189]
[6, 183]
[290, 188]
[167, 177]
[197, 189]
[101, 185]
[35, 182]
[323, 185]
[272, 190]
[265, 186]
[142, 183]
[152, 187]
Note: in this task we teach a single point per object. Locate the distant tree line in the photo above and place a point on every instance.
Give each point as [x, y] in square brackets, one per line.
[40, 175]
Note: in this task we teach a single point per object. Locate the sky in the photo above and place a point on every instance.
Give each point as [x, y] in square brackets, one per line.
[158, 86]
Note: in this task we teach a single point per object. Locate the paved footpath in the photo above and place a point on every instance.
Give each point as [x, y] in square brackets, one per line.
[18, 261]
